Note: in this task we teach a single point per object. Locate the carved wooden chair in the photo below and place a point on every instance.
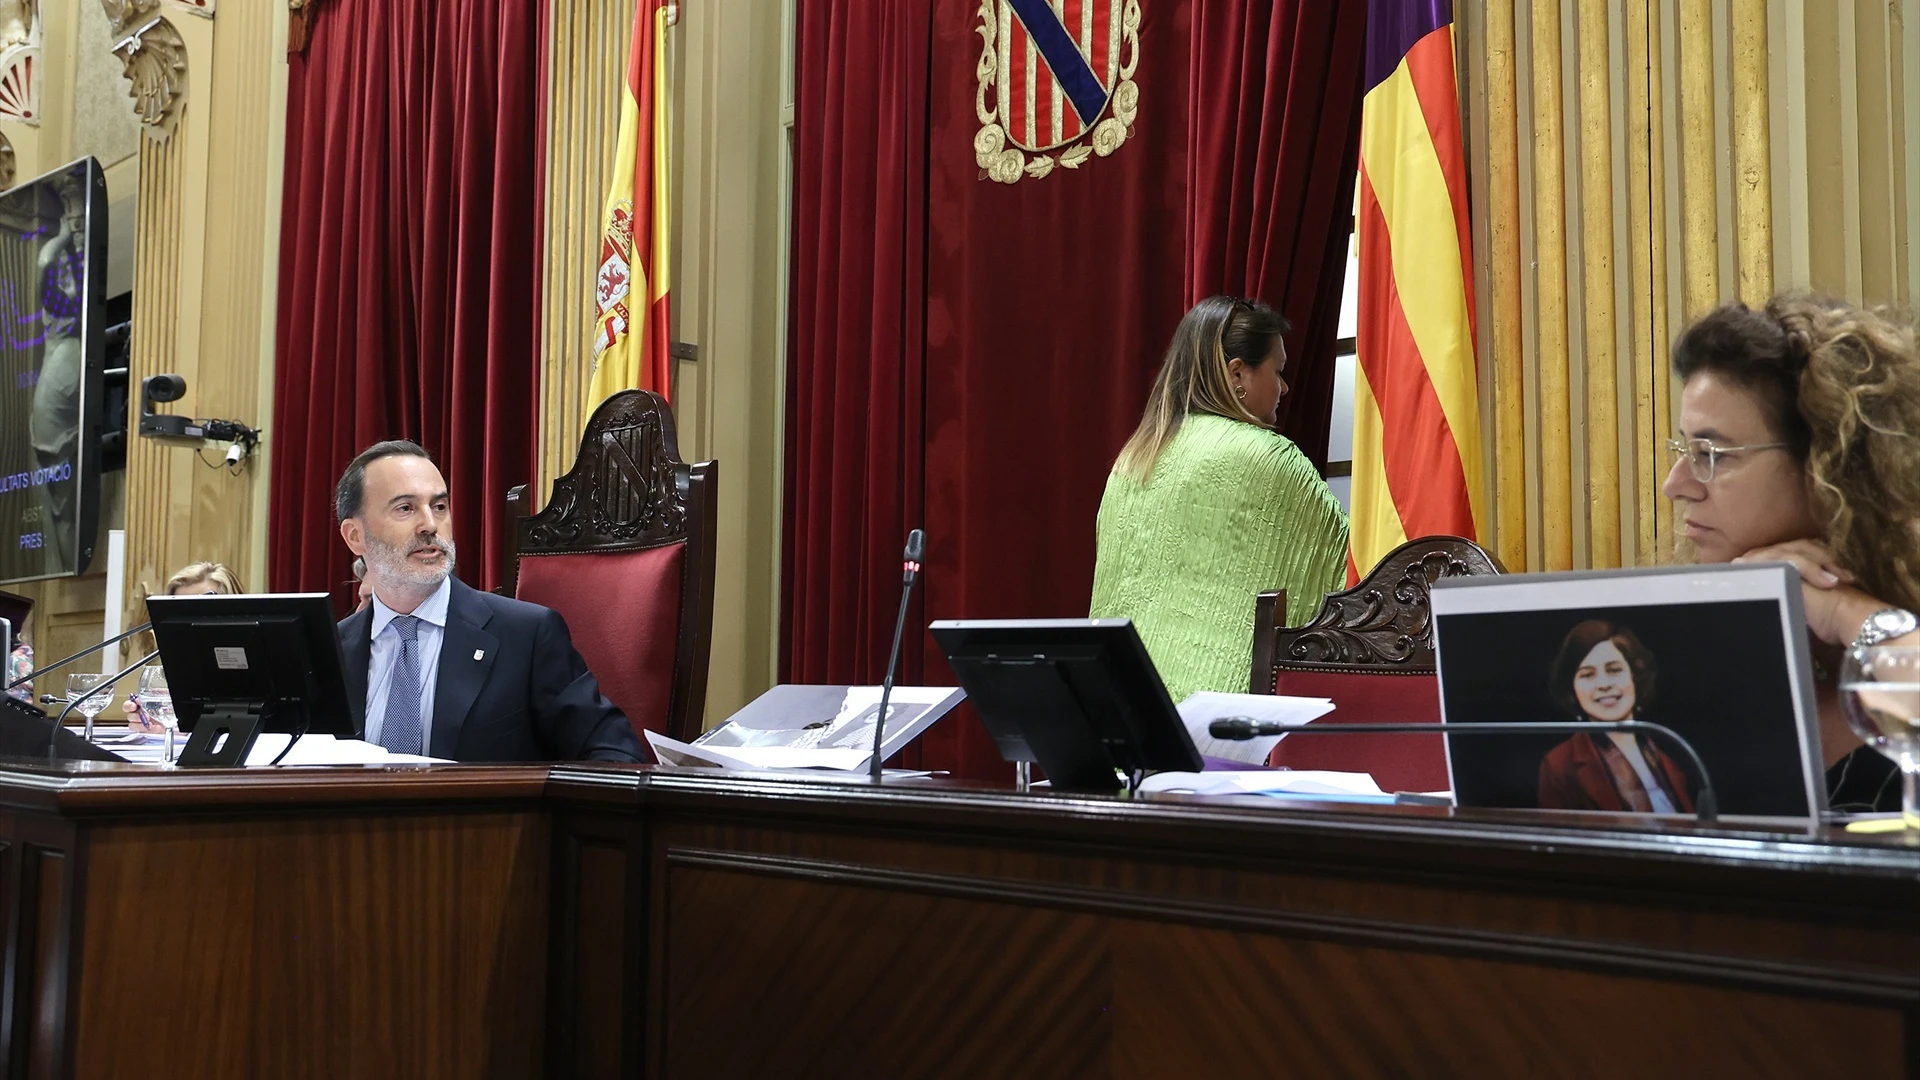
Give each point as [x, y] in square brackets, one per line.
[1371, 650]
[624, 549]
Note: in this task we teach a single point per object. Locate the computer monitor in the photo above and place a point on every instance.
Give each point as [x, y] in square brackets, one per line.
[1079, 696]
[241, 665]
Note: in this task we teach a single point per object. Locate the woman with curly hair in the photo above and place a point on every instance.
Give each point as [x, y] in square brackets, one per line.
[1800, 442]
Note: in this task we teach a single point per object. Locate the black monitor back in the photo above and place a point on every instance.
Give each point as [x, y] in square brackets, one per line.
[280, 652]
[1079, 696]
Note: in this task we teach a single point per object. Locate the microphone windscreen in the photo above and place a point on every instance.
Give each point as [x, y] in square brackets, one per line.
[916, 545]
[1236, 727]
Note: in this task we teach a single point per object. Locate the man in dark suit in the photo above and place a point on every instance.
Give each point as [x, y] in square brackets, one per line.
[442, 669]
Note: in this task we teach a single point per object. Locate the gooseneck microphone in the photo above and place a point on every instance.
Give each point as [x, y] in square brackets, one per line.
[1706, 807]
[88, 651]
[909, 573]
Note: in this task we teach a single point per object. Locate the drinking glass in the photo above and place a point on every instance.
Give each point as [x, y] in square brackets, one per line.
[156, 700]
[78, 685]
[1880, 686]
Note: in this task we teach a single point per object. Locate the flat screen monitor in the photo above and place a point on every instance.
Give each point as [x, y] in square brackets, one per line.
[277, 655]
[1717, 654]
[1079, 696]
[53, 241]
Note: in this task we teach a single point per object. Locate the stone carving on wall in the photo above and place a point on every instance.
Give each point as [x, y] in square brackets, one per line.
[154, 58]
[6, 163]
[20, 61]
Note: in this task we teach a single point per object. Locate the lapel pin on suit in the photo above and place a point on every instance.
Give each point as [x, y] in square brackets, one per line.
[479, 654]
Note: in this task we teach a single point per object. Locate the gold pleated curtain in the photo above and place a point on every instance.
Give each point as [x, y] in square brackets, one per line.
[1635, 163]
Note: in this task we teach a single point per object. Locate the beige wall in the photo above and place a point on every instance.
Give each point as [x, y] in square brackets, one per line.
[1634, 163]
[728, 282]
[205, 224]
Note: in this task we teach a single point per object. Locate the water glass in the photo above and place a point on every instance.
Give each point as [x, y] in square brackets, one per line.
[1880, 687]
[156, 700]
[90, 706]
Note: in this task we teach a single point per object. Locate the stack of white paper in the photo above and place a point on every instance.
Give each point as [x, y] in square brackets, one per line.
[327, 750]
[1264, 780]
[310, 750]
[1203, 708]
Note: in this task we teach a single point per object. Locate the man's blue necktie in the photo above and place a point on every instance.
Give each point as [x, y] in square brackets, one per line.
[400, 732]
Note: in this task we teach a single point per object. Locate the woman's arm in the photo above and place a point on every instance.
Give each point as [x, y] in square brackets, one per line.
[1305, 530]
[1836, 608]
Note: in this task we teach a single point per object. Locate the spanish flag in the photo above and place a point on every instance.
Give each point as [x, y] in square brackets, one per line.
[631, 334]
[1416, 424]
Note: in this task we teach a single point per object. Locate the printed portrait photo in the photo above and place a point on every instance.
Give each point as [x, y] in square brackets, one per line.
[1716, 673]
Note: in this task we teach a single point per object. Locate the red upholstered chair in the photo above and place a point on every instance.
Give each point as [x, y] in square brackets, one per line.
[624, 550]
[1370, 650]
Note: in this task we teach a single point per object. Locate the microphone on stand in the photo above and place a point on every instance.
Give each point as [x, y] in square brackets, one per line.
[910, 573]
[1706, 807]
[65, 660]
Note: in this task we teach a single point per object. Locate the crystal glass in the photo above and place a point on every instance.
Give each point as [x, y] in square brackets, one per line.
[78, 685]
[1880, 686]
[157, 701]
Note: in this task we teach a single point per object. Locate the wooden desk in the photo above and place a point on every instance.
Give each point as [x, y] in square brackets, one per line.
[320, 923]
[588, 921]
[785, 928]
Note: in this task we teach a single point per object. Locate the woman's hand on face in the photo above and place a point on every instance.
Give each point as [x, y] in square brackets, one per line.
[1817, 565]
[1834, 607]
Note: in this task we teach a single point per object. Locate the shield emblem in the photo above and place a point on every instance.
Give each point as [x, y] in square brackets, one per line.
[1055, 77]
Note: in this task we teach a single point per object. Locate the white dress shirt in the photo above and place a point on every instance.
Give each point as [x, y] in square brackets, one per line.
[1656, 794]
[385, 656]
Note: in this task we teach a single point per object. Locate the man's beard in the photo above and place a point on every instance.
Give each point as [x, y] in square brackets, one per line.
[390, 563]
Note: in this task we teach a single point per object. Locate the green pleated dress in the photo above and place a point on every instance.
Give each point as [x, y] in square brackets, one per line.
[1231, 511]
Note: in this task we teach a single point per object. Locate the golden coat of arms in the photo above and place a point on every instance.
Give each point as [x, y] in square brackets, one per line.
[1056, 83]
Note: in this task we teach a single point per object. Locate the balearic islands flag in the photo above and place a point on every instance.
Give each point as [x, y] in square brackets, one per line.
[631, 335]
[1416, 425]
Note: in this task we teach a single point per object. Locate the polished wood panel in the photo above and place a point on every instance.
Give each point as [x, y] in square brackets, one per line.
[860, 981]
[45, 964]
[1245, 1003]
[305, 923]
[988, 934]
[428, 930]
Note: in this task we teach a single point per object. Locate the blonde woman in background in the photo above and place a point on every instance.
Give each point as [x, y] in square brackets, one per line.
[194, 579]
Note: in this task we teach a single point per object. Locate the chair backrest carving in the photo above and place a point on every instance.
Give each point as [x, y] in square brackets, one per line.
[1382, 626]
[627, 489]
[628, 492]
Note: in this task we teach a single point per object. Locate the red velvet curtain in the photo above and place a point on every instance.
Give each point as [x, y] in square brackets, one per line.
[409, 267]
[856, 422]
[1044, 309]
[1273, 142]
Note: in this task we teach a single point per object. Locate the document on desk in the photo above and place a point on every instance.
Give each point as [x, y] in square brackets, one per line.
[1333, 785]
[327, 750]
[674, 752]
[1204, 707]
[796, 726]
[148, 749]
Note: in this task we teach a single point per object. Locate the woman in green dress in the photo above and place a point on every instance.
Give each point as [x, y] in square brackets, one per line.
[1207, 506]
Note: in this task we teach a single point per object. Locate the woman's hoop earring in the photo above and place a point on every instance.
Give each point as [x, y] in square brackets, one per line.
[1240, 391]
